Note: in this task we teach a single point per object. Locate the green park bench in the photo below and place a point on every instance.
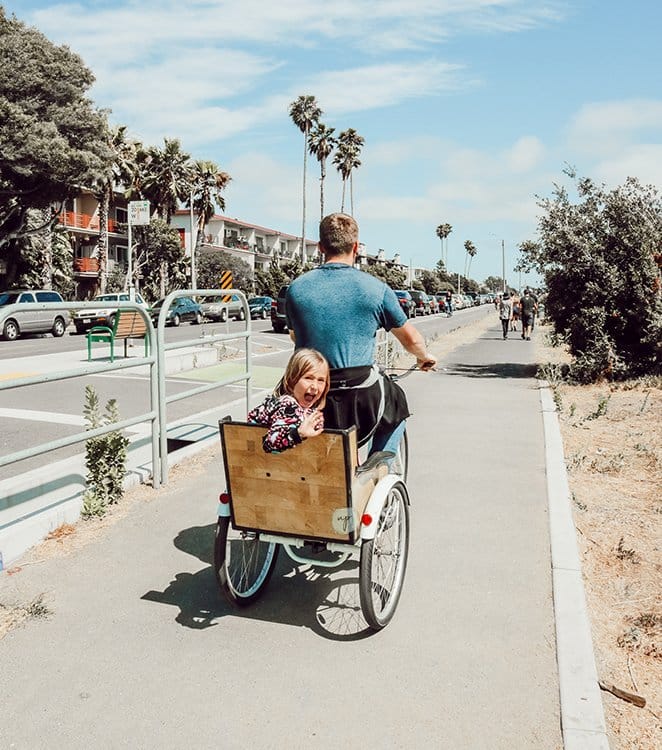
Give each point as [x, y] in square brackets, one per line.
[129, 324]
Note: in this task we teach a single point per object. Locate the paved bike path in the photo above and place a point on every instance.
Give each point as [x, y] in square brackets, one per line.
[140, 651]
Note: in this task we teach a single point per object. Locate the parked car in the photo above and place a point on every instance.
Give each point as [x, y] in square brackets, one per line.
[406, 302]
[458, 302]
[34, 321]
[223, 307]
[260, 307]
[181, 309]
[421, 301]
[278, 318]
[105, 315]
[434, 304]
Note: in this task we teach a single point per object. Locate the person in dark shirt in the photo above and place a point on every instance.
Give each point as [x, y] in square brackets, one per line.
[528, 307]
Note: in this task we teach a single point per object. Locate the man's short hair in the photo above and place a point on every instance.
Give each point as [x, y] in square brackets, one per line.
[338, 234]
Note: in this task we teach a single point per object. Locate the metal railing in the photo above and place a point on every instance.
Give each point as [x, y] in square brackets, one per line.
[156, 415]
[162, 347]
[88, 369]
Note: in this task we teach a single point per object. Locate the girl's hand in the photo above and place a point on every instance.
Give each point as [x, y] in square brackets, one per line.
[312, 425]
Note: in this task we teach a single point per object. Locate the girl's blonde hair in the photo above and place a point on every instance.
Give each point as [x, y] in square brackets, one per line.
[300, 362]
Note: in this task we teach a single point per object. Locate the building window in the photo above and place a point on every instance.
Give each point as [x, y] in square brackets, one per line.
[121, 215]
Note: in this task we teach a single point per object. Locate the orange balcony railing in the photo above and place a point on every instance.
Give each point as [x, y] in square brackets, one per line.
[86, 265]
[85, 221]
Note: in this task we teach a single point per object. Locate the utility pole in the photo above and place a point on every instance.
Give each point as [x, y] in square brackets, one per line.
[503, 265]
[194, 278]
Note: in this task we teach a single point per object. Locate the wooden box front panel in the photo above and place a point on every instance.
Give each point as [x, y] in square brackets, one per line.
[304, 491]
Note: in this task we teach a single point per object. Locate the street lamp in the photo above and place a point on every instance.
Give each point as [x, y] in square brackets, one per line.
[503, 263]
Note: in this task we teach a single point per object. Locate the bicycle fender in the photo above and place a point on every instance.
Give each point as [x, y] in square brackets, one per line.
[376, 503]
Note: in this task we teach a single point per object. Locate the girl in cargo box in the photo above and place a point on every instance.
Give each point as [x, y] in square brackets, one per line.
[293, 412]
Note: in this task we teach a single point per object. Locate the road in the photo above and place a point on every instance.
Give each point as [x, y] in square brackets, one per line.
[39, 413]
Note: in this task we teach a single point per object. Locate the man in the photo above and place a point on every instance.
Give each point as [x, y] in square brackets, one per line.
[338, 310]
[505, 314]
[528, 307]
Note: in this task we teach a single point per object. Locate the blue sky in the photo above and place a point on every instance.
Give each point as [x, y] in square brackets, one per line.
[469, 108]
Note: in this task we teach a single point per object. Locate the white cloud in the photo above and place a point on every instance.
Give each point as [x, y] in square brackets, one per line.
[389, 24]
[643, 161]
[601, 128]
[525, 154]
[378, 86]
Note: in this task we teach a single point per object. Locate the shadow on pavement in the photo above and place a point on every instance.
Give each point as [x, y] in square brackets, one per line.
[493, 370]
[321, 599]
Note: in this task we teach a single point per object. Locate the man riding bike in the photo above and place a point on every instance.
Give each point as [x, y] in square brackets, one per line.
[338, 309]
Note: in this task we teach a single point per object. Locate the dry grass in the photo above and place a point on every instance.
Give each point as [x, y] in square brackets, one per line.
[612, 436]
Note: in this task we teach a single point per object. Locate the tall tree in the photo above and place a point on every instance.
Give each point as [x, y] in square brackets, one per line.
[471, 252]
[207, 185]
[52, 139]
[161, 265]
[601, 260]
[321, 144]
[305, 113]
[166, 177]
[347, 160]
[443, 230]
[118, 172]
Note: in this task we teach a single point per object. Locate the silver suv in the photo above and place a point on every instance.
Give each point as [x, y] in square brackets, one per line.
[33, 321]
[222, 308]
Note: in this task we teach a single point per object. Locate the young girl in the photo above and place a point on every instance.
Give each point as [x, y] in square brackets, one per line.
[294, 411]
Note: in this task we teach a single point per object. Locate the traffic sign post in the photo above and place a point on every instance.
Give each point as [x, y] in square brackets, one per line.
[138, 216]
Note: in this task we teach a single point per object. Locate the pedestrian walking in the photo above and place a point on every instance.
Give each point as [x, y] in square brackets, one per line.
[528, 307]
[505, 314]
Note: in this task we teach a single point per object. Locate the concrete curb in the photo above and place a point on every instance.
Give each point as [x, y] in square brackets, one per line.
[582, 713]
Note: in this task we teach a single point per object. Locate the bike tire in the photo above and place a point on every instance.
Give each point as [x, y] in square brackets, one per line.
[384, 560]
[242, 563]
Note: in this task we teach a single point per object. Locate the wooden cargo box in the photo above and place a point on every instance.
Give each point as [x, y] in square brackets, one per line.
[309, 491]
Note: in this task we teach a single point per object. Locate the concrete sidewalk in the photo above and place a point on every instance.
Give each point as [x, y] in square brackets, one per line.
[469, 662]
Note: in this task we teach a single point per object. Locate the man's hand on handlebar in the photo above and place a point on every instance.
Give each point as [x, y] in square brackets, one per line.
[426, 363]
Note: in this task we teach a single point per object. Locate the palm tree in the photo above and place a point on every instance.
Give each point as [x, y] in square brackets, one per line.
[346, 160]
[305, 113]
[119, 172]
[206, 192]
[321, 144]
[471, 251]
[166, 177]
[443, 230]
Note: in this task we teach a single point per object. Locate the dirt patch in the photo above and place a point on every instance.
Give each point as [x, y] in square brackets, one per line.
[612, 437]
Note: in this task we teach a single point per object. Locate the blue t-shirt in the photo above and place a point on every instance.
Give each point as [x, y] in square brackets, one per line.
[338, 310]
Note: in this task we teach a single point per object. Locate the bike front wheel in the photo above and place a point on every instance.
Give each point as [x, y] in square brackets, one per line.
[384, 560]
[243, 564]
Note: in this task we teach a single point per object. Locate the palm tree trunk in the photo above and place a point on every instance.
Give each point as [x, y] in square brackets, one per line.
[322, 176]
[102, 242]
[342, 200]
[303, 217]
[351, 194]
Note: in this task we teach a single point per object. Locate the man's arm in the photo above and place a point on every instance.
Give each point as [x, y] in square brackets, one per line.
[412, 340]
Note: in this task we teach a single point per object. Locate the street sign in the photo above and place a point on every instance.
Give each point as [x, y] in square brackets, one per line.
[226, 283]
[138, 213]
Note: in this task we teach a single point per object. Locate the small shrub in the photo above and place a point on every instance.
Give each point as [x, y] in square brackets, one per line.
[105, 457]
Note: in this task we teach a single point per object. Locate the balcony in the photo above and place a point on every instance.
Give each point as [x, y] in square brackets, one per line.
[86, 222]
[86, 265]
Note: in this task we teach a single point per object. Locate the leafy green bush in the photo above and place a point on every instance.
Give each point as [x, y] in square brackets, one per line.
[599, 257]
[105, 457]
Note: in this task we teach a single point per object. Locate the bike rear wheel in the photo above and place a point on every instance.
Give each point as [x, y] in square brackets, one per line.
[384, 560]
[243, 564]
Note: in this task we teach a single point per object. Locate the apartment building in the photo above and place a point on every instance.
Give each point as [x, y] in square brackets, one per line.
[252, 243]
[256, 245]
